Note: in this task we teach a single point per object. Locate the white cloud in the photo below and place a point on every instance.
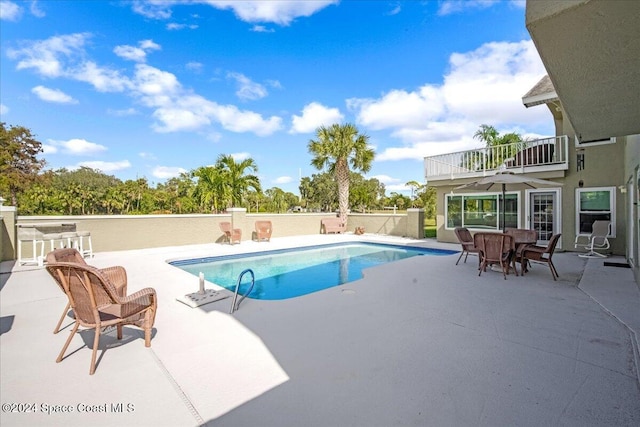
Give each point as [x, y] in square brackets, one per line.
[36, 11]
[385, 179]
[46, 56]
[238, 157]
[153, 9]
[145, 155]
[484, 86]
[77, 147]
[196, 67]
[448, 7]
[173, 26]
[4, 109]
[103, 166]
[123, 112]
[174, 107]
[262, 29]
[165, 172]
[313, 116]
[283, 180]
[137, 54]
[248, 90]
[10, 11]
[53, 95]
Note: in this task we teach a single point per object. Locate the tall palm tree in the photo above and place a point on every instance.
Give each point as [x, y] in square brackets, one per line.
[237, 181]
[337, 147]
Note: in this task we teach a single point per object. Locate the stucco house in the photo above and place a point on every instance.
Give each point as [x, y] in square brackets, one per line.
[591, 50]
[590, 187]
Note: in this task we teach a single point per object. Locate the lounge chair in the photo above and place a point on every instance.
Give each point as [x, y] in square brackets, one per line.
[97, 305]
[263, 230]
[117, 275]
[596, 240]
[232, 235]
[495, 248]
[466, 241]
[542, 254]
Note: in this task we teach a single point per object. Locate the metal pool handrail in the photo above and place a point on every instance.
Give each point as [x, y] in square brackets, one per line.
[234, 307]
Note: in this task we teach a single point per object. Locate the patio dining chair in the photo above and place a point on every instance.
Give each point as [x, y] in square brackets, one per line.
[466, 241]
[97, 305]
[117, 275]
[542, 254]
[495, 248]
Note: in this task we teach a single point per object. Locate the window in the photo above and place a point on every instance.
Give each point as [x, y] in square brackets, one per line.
[594, 204]
[480, 211]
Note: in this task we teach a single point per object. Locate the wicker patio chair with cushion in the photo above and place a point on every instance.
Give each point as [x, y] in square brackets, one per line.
[596, 240]
[97, 305]
[466, 241]
[495, 248]
[117, 275]
[263, 230]
[232, 235]
[542, 254]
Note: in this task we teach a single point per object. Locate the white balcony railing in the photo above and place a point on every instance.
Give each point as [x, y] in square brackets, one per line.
[526, 156]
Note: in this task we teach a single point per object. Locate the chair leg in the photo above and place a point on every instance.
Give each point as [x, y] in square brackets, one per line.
[96, 341]
[554, 272]
[64, 314]
[460, 257]
[119, 329]
[66, 345]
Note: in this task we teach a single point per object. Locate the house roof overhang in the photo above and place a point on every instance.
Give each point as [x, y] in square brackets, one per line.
[591, 50]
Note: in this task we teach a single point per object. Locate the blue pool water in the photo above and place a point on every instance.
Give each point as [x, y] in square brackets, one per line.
[290, 273]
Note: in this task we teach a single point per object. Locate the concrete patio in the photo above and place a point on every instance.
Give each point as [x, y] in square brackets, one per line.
[417, 342]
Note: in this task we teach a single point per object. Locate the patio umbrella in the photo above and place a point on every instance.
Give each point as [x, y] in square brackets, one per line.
[505, 178]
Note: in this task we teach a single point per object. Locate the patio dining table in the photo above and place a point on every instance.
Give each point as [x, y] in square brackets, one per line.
[521, 239]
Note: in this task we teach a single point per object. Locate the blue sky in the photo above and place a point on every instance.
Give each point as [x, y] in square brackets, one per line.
[151, 89]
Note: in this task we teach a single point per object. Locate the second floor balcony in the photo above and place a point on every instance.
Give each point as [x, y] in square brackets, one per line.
[527, 156]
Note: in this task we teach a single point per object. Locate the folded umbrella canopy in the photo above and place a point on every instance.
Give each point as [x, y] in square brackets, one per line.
[507, 178]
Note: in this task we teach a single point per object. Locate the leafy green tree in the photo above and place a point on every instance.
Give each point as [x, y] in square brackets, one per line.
[19, 163]
[365, 193]
[337, 148]
[236, 177]
[320, 192]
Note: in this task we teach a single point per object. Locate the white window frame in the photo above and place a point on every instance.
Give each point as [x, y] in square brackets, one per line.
[499, 213]
[612, 204]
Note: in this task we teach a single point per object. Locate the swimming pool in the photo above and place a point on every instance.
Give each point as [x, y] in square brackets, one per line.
[289, 273]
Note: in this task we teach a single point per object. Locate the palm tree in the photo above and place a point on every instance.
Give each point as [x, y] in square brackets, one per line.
[337, 147]
[414, 185]
[210, 190]
[492, 138]
[237, 181]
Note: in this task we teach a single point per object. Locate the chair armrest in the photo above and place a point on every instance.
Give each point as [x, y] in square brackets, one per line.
[579, 237]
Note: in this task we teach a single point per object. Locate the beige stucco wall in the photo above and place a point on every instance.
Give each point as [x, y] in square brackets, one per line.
[7, 232]
[126, 232]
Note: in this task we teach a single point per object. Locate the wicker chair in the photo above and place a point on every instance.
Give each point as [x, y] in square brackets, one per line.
[542, 254]
[263, 230]
[231, 234]
[466, 240]
[97, 305]
[495, 248]
[117, 275]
